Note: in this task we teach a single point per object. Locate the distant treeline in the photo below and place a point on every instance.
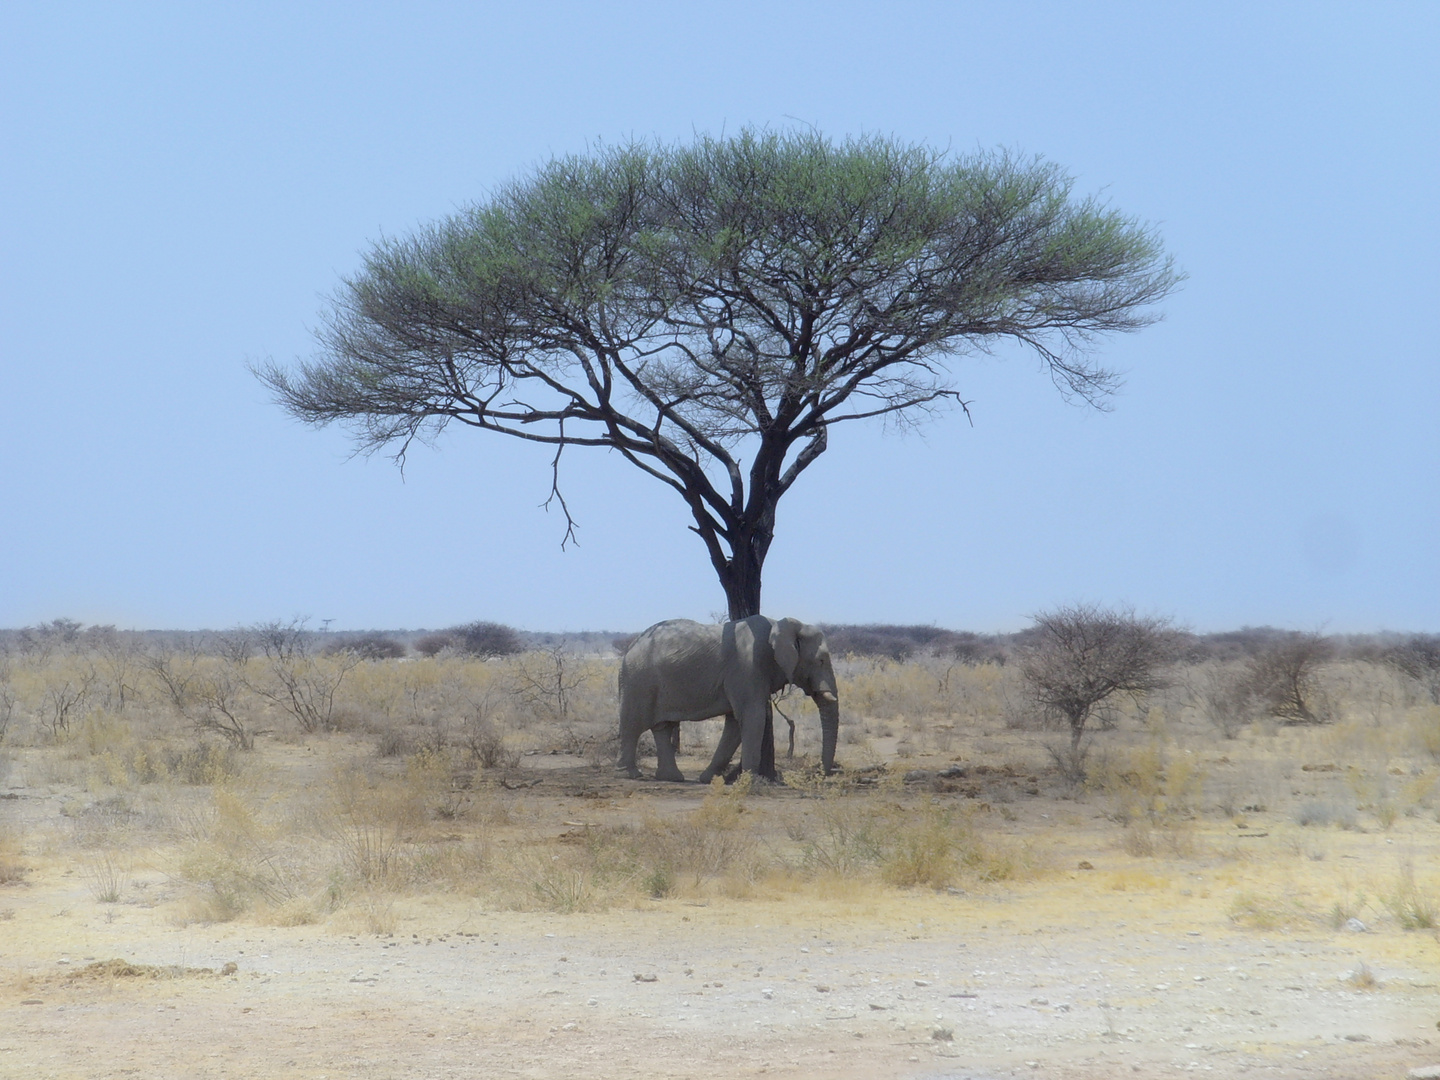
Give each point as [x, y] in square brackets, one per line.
[874, 640]
[897, 642]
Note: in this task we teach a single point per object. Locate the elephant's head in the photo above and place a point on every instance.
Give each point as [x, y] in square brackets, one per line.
[804, 659]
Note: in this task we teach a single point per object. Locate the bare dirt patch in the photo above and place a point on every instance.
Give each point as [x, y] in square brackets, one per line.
[1136, 966]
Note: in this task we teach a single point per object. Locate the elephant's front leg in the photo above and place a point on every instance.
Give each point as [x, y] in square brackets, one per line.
[767, 746]
[666, 736]
[754, 724]
[724, 750]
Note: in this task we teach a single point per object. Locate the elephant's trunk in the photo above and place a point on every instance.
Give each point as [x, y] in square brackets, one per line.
[829, 706]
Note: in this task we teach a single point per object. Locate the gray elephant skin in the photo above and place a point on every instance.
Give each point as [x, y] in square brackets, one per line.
[681, 670]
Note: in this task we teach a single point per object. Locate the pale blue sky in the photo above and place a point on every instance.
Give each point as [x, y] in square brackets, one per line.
[181, 185]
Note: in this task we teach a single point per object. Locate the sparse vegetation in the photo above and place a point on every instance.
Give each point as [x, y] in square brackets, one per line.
[448, 773]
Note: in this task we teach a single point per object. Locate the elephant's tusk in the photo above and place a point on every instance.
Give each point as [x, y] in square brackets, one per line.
[827, 698]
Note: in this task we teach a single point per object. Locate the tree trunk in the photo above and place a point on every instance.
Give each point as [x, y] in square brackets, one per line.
[741, 581]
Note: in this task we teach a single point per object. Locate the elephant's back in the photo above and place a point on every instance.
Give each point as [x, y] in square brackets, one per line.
[672, 647]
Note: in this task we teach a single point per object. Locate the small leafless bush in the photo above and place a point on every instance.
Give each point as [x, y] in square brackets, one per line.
[394, 741]
[548, 683]
[1324, 812]
[1283, 679]
[1226, 699]
[1082, 656]
[485, 743]
[930, 845]
[117, 661]
[106, 876]
[67, 692]
[297, 681]
[1071, 758]
[211, 692]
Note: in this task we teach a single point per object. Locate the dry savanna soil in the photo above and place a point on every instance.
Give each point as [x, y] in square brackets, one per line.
[317, 910]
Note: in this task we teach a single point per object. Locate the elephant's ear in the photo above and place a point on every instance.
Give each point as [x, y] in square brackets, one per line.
[784, 643]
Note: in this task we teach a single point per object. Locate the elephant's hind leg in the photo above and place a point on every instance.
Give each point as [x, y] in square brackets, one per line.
[633, 717]
[724, 750]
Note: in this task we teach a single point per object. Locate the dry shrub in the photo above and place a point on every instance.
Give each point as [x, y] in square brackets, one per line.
[377, 829]
[1147, 785]
[366, 819]
[937, 847]
[567, 889]
[120, 751]
[1285, 679]
[1348, 905]
[103, 822]
[1225, 697]
[1410, 904]
[839, 836]
[484, 741]
[1324, 812]
[1378, 788]
[236, 862]
[288, 673]
[1423, 726]
[369, 912]
[12, 870]
[458, 865]
[712, 841]
[1417, 792]
[1154, 797]
[201, 763]
[845, 835]
[586, 877]
[711, 846]
[1362, 978]
[394, 742]
[107, 876]
[1261, 911]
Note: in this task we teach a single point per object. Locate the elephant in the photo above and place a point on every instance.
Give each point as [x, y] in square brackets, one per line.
[682, 670]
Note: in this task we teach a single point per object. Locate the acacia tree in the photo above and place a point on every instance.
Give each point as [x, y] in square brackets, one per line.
[712, 310]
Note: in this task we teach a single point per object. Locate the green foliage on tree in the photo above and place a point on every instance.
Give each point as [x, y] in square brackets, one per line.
[712, 310]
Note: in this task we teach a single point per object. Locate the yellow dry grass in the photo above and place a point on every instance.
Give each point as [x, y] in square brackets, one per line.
[1275, 829]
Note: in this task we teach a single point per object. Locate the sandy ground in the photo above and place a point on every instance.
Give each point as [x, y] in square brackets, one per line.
[1131, 968]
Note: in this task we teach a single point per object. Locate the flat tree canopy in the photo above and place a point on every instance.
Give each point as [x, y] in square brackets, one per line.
[712, 310]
